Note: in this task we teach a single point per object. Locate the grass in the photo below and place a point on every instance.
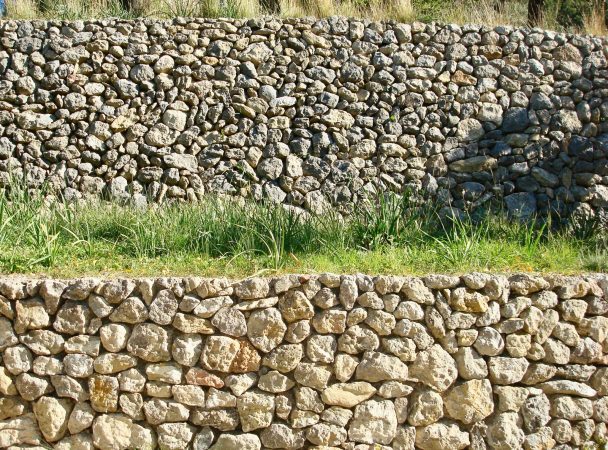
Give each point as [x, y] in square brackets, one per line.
[587, 16]
[235, 239]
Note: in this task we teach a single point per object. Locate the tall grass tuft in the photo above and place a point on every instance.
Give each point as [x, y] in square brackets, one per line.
[388, 233]
[595, 21]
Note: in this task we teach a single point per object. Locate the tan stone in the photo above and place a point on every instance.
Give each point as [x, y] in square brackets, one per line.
[347, 395]
[470, 402]
[52, 415]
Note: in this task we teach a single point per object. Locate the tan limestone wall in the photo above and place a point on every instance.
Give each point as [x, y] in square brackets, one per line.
[305, 361]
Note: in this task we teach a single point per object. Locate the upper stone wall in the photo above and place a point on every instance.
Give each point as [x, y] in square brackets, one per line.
[306, 112]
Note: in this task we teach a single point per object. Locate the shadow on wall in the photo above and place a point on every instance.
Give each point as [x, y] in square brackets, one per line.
[315, 114]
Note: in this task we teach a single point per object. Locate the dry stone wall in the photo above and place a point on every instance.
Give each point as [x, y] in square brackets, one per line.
[310, 113]
[305, 361]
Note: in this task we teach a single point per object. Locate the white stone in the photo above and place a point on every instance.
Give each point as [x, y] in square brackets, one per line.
[347, 395]
[374, 422]
[435, 368]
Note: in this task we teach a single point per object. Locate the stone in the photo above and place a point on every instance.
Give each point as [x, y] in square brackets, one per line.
[345, 366]
[160, 411]
[252, 288]
[347, 395]
[176, 120]
[80, 441]
[358, 339]
[376, 366]
[556, 352]
[81, 418]
[284, 358]
[435, 368]
[439, 436]
[30, 315]
[103, 391]
[256, 410]
[7, 387]
[515, 120]
[540, 440]
[203, 439]
[338, 119]
[72, 318]
[566, 121]
[117, 431]
[132, 310]
[535, 412]
[415, 290]
[207, 307]
[469, 130]
[374, 422]
[189, 395]
[186, 349]
[265, 329]
[281, 436]
[52, 416]
[295, 306]
[187, 323]
[521, 205]
[571, 408]
[275, 382]
[17, 359]
[239, 384]
[175, 436]
[425, 408]
[230, 321]
[312, 375]
[150, 342]
[169, 373]
[243, 441]
[510, 398]
[470, 401]
[489, 342]
[7, 334]
[504, 432]
[599, 381]
[321, 348]
[468, 301]
[505, 370]
[19, 431]
[163, 307]
[110, 363]
[326, 434]
[474, 164]
[114, 336]
[308, 399]
[78, 365]
[470, 364]
[222, 420]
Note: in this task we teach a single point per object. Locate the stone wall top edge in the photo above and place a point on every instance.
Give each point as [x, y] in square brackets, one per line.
[311, 20]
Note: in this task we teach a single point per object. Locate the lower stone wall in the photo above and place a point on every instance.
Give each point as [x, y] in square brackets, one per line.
[305, 361]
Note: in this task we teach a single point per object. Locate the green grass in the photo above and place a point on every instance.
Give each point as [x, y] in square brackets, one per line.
[235, 239]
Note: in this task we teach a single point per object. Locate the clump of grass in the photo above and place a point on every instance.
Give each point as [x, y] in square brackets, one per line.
[486, 12]
[595, 21]
[389, 234]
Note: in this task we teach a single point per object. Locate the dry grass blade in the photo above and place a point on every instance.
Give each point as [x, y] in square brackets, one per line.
[595, 22]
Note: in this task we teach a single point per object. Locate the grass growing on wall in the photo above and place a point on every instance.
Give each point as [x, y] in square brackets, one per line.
[226, 237]
[565, 15]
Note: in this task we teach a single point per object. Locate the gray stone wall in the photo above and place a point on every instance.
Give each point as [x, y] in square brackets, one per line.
[305, 361]
[310, 113]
